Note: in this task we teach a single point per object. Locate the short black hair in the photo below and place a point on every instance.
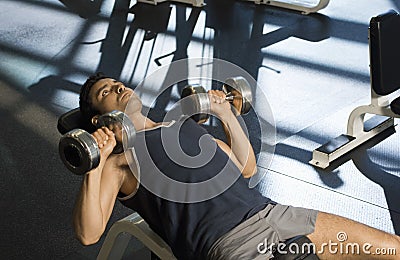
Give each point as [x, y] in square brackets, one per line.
[85, 103]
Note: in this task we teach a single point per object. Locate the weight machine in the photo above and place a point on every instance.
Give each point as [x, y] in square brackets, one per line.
[304, 6]
[384, 58]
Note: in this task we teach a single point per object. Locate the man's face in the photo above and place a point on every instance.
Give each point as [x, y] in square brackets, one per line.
[109, 94]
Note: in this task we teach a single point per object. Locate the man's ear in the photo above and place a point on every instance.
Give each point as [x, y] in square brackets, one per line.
[95, 119]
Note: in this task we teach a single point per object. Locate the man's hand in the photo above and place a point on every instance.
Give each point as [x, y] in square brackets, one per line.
[219, 106]
[105, 139]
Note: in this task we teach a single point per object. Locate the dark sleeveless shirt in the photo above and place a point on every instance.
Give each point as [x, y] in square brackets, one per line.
[190, 218]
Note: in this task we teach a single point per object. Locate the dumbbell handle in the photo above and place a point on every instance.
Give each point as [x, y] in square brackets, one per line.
[229, 96]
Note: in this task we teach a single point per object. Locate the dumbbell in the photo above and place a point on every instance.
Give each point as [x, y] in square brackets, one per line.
[236, 89]
[79, 150]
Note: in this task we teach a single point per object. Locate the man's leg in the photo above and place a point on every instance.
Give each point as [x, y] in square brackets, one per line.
[336, 237]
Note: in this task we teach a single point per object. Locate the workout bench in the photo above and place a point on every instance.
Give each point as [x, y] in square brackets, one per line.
[385, 80]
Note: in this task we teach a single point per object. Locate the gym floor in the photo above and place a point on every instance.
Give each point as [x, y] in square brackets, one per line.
[313, 69]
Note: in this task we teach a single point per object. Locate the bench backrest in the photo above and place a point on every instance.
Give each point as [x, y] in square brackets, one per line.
[71, 120]
[384, 44]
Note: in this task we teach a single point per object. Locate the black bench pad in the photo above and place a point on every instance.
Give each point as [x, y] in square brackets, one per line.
[71, 120]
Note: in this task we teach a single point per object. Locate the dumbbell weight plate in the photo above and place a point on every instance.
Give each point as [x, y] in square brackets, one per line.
[195, 102]
[242, 87]
[79, 151]
[123, 128]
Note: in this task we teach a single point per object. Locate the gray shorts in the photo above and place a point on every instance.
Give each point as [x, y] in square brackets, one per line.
[273, 224]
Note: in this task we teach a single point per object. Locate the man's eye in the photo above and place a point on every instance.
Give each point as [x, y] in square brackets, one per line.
[104, 93]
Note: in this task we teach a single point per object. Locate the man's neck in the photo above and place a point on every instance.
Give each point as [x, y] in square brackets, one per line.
[141, 122]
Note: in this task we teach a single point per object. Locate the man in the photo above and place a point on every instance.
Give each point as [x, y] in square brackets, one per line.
[230, 225]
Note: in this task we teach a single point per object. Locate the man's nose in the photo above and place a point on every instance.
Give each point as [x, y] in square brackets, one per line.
[119, 89]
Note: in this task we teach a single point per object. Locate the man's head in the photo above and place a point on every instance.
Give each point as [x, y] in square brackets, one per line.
[101, 94]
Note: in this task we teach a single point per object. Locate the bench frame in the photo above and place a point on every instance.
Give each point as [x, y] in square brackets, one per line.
[121, 232]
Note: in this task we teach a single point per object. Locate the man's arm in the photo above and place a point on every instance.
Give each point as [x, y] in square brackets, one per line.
[239, 144]
[98, 192]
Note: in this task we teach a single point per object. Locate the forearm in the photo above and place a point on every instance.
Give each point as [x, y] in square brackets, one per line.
[98, 192]
[88, 214]
[240, 144]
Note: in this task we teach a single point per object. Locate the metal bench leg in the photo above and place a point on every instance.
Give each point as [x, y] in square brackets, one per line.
[120, 233]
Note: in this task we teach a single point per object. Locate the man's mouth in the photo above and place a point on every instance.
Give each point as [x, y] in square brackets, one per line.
[125, 94]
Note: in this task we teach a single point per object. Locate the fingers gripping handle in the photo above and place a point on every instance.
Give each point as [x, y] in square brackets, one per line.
[195, 101]
[79, 150]
[123, 128]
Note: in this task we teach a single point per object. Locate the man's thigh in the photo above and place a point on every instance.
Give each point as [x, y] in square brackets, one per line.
[337, 237]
